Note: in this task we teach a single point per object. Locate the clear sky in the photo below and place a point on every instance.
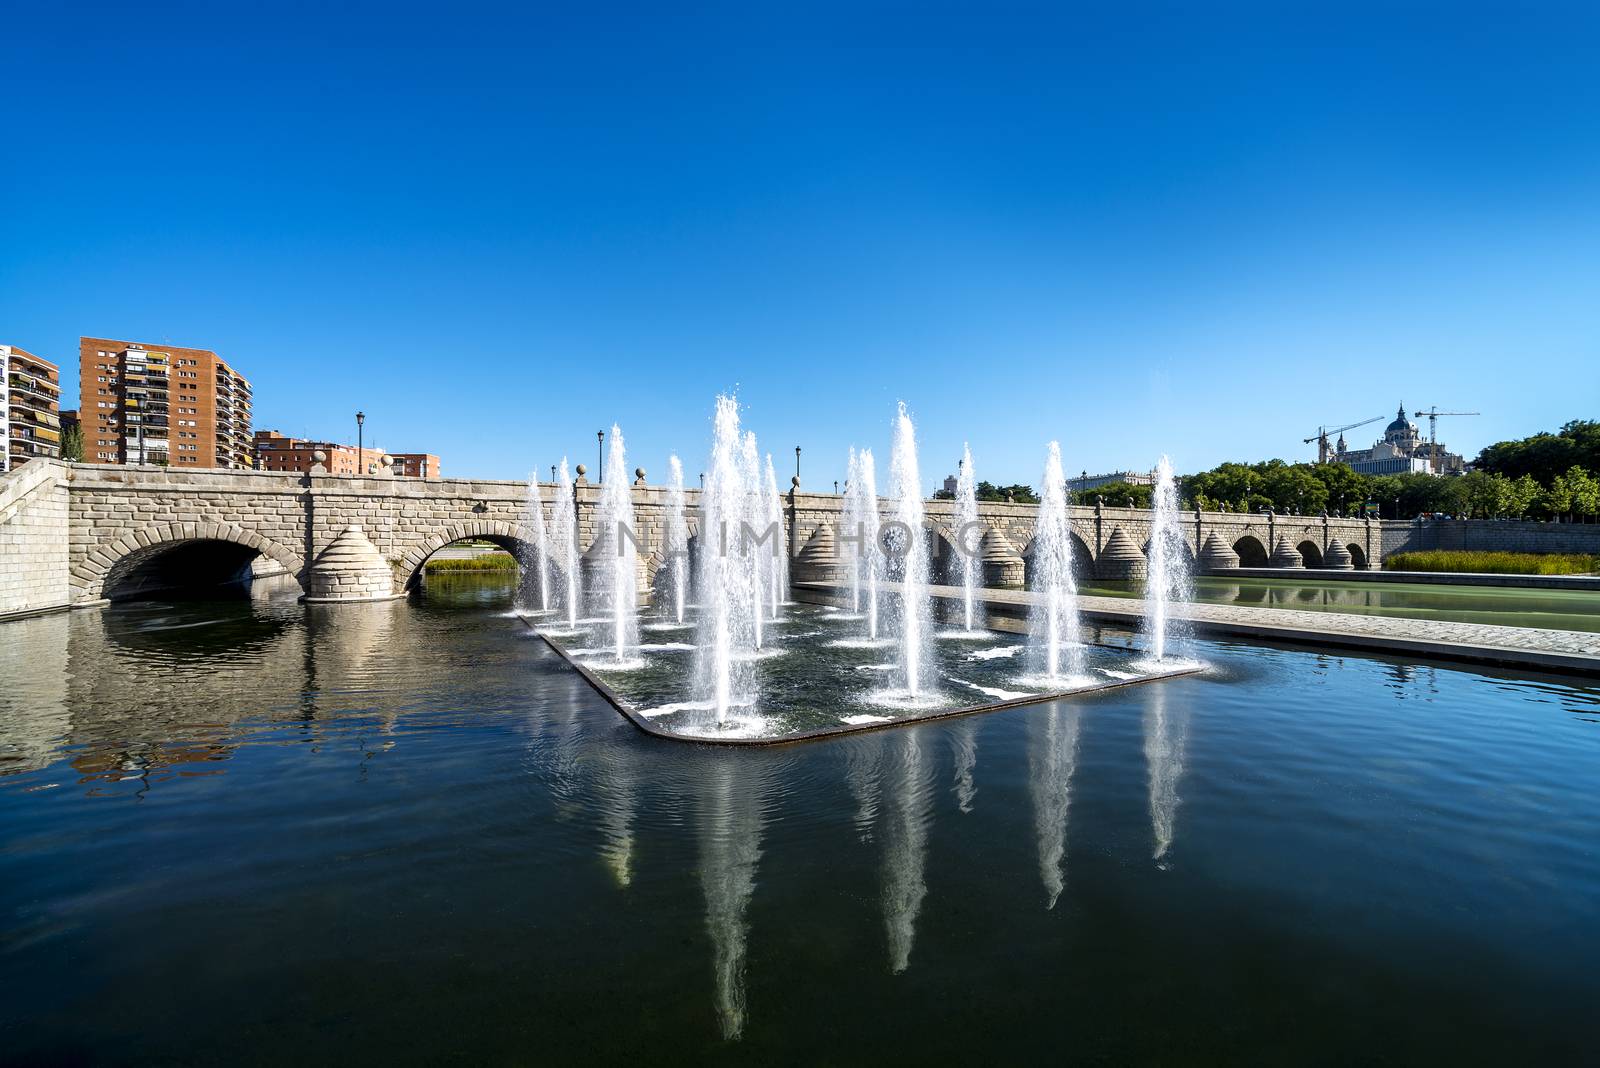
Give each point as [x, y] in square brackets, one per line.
[497, 230]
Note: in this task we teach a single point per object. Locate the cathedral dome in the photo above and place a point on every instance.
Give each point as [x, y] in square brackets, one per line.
[1400, 426]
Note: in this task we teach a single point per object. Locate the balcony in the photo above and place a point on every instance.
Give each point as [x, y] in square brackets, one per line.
[27, 386]
[39, 418]
[21, 432]
[29, 450]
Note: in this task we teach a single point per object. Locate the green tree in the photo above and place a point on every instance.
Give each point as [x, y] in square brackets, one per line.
[1295, 489]
[1385, 490]
[1521, 494]
[1346, 488]
[1585, 490]
[1545, 455]
[1116, 495]
[1491, 495]
[72, 443]
[1557, 500]
[988, 491]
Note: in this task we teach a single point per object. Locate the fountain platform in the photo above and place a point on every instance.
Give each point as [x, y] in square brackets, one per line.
[819, 679]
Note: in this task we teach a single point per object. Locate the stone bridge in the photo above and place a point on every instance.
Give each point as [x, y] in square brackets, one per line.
[80, 534]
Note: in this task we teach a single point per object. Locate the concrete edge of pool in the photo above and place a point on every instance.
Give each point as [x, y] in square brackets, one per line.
[628, 712]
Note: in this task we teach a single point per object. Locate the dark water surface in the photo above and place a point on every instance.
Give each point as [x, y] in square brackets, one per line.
[265, 832]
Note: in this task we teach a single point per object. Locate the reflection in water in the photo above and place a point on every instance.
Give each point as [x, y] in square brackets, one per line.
[1052, 758]
[1165, 738]
[863, 771]
[36, 721]
[616, 815]
[907, 813]
[964, 739]
[730, 846]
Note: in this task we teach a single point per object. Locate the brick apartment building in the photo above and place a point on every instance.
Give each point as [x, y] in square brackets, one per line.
[276, 452]
[30, 407]
[147, 403]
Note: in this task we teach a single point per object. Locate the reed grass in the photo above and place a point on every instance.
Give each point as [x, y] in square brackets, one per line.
[487, 562]
[1498, 563]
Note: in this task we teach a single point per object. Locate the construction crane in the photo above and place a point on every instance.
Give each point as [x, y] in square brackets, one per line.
[1321, 437]
[1433, 413]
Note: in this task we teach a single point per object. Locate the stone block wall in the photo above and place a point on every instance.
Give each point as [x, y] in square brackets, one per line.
[119, 511]
[34, 512]
[1494, 535]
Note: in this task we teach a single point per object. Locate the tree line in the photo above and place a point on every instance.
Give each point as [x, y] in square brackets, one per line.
[1545, 476]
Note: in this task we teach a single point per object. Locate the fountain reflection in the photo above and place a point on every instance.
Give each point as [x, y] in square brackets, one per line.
[1052, 759]
[618, 803]
[964, 740]
[1165, 741]
[730, 848]
[864, 775]
[908, 810]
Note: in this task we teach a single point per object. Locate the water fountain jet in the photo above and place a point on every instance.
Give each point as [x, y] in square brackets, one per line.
[617, 554]
[862, 533]
[564, 526]
[677, 546]
[1053, 632]
[1168, 580]
[966, 522]
[533, 533]
[728, 606]
[915, 614]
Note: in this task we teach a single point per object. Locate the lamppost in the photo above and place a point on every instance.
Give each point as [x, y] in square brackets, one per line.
[361, 420]
[835, 487]
[600, 436]
[1397, 506]
[797, 465]
[552, 472]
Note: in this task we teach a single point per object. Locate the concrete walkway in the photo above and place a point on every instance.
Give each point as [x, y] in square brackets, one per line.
[1566, 651]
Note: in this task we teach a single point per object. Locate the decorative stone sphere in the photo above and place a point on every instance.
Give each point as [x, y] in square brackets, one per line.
[638, 473]
[582, 470]
[319, 457]
[794, 480]
[387, 461]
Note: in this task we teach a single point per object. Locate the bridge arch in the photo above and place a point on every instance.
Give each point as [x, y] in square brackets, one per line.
[1251, 552]
[1358, 556]
[1310, 552]
[163, 556]
[656, 576]
[508, 536]
[1187, 552]
[1082, 560]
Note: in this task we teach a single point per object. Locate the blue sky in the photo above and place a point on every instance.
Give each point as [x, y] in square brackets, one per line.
[497, 230]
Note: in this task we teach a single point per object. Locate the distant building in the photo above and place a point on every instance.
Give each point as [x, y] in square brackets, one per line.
[1402, 451]
[275, 452]
[1086, 481]
[30, 407]
[161, 404]
[950, 485]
